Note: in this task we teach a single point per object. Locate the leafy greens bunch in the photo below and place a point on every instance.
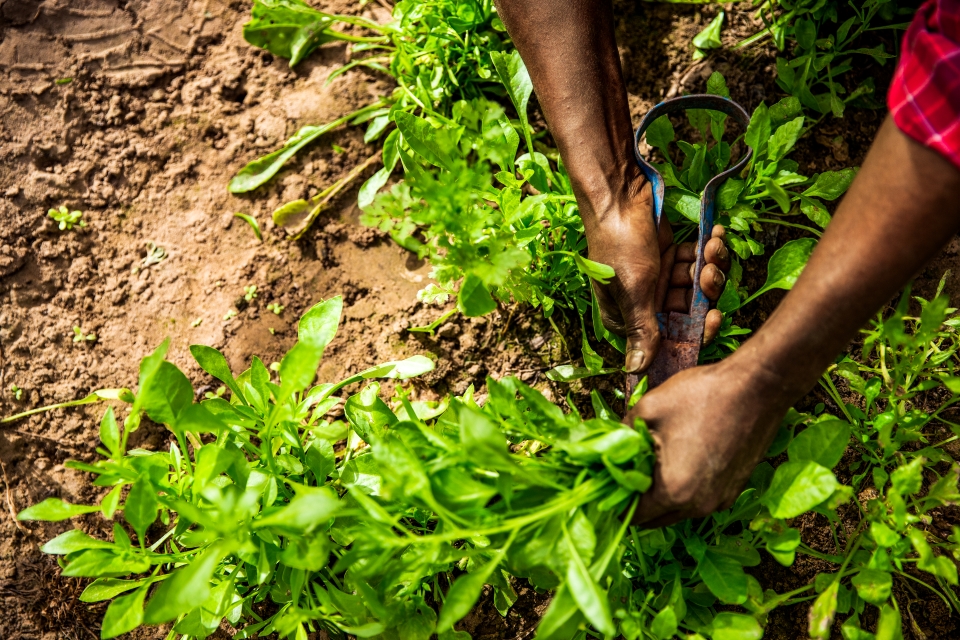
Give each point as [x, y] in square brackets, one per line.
[822, 52]
[267, 515]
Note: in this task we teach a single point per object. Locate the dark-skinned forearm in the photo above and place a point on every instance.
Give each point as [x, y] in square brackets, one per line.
[571, 54]
[901, 209]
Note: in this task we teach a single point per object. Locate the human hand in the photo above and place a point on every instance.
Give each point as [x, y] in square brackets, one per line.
[712, 425]
[652, 273]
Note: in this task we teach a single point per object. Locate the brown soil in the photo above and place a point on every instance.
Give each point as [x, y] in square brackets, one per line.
[165, 103]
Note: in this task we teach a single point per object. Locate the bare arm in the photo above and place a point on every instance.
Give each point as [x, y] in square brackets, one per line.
[571, 53]
[901, 209]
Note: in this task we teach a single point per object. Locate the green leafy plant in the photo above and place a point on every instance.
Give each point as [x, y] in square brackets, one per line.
[16, 392]
[392, 522]
[66, 219]
[250, 293]
[79, 335]
[424, 504]
[823, 52]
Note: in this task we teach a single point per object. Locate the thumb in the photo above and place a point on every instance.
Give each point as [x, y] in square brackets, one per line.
[643, 335]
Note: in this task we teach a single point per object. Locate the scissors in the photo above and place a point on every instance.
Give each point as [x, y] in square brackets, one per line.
[682, 333]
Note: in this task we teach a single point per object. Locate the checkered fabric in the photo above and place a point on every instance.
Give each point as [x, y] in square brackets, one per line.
[924, 97]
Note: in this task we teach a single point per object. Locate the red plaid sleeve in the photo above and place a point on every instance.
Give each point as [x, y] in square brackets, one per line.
[924, 97]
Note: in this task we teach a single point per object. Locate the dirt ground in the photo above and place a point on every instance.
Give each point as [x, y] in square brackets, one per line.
[138, 112]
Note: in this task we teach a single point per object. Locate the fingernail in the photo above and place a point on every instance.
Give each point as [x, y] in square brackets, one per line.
[635, 360]
[722, 252]
[719, 278]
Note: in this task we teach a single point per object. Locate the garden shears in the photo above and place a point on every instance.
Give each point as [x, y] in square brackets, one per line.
[682, 333]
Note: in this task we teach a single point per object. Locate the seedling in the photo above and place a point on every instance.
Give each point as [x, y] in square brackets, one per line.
[338, 149]
[250, 293]
[67, 219]
[17, 392]
[276, 308]
[197, 322]
[221, 390]
[155, 254]
[80, 336]
[230, 315]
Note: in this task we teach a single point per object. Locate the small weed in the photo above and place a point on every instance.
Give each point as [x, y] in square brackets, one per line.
[250, 293]
[197, 322]
[218, 394]
[230, 315]
[67, 219]
[62, 81]
[276, 307]
[79, 335]
[272, 331]
[16, 391]
[155, 254]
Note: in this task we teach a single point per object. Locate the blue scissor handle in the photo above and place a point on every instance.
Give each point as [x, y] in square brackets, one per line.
[682, 333]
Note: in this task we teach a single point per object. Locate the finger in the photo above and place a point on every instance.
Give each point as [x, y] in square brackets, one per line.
[718, 231]
[678, 300]
[712, 281]
[682, 274]
[666, 268]
[687, 252]
[643, 335]
[711, 326]
[716, 253]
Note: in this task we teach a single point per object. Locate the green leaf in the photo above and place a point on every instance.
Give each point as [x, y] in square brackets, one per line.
[140, 509]
[735, 626]
[54, 510]
[798, 487]
[186, 588]
[474, 299]
[787, 264]
[778, 193]
[595, 270]
[214, 363]
[401, 370]
[262, 169]
[822, 442]
[309, 508]
[463, 595]
[570, 373]
[433, 144]
[376, 182]
[724, 577]
[588, 595]
[660, 134]
[73, 540]
[110, 431]
[890, 626]
[783, 139]
[514, 76]
[124, 614]
[166, 394]
[318, 326]
[758, 131]
[830, 185]
[873, 585]
[287, 28]
[709, 38]
[822, 612]
[717, 85]
[664, 624]
[298, 368]
[814, 210]
[108, 588]
[250, 220]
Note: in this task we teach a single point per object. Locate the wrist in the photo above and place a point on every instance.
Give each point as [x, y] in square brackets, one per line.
[607, 193]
